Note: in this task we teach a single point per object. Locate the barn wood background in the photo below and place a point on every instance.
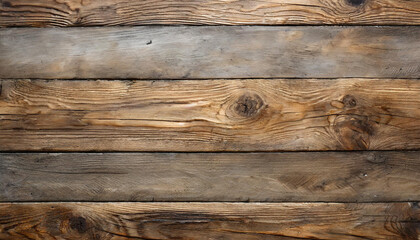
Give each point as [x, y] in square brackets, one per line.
[155, 119]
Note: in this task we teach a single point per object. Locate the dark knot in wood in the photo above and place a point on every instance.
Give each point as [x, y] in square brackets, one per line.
[355, 2]
[79, 224]
[349, 101]
[248, 105]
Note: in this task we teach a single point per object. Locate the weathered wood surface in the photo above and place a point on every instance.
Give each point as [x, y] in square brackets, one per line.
[210, 115]
[210, 52]
[314, 176]
[41, 13]
[210, 221]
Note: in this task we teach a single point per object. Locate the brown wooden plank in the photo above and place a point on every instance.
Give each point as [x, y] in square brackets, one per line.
[314, 176]
[242, 221]
[41, 13]
[210, 115]
[210, 52]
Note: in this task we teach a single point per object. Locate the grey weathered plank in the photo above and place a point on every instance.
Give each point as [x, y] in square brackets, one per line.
[311, 176]
[210, 52]
[244, 221]
[42, 13]
[210, 115]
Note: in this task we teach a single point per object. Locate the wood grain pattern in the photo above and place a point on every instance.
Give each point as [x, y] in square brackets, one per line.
[315, 176]
[210, 221]
[210, 52]
[210, 115]
[41, 13]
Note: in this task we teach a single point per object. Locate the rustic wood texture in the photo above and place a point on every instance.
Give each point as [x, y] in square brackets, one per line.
[242, 221]
[210, 52]
[315, 176]
[210, 115]
[42, 13]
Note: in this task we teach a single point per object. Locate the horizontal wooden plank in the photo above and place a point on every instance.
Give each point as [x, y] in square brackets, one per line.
[210, 115]
[210, 221]
[314, 176]
[210, 52]
[41, 13]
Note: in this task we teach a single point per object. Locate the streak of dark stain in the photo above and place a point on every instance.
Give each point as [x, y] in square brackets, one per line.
[176, 216]
[355, 2]
[79, 224]
[349, 101]
[248, 105]
[54, 219]
[409, 229]
[6, 4]
[176, 220]
[105, 8]
[353, 131]
[403, 220]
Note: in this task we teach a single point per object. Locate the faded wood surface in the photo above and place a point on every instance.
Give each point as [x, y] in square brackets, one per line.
[210, 115]
[41, 13]
[210, 221]
[183, 52]
[315, 176]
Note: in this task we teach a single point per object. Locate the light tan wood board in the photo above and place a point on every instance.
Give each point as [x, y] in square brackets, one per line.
[210, 115]
[188, 52]
[42, 13]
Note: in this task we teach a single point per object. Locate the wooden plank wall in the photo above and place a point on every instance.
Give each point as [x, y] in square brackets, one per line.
[131, 120]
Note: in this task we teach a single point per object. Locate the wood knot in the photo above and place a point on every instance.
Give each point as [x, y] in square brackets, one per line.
[248, 105]
[349, 101]
[353, 131]
[355, 2]
[79, 224]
